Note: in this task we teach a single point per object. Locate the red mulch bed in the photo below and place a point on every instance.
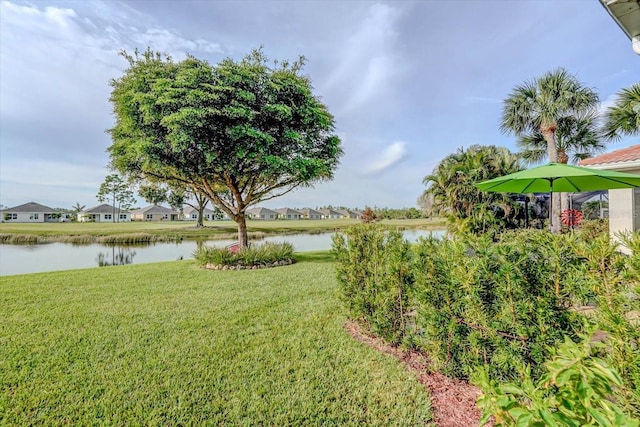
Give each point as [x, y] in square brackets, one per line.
[453, 401]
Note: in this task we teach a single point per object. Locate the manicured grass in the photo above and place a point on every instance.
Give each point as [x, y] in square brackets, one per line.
[171, 344]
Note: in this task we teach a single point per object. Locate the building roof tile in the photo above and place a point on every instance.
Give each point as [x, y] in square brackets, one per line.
[622, 155]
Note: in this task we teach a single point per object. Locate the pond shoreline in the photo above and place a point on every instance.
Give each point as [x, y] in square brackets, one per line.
[118, 233]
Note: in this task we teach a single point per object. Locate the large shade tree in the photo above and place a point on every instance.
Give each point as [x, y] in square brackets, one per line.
[451, 190]
[538, 105]
[623, 117]
[240, 132]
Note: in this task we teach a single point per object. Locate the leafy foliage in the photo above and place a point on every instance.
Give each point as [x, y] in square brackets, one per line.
[115, 190]
[556, 108]
[368, 215]
[577, 137]
[452, 193]
[576, 390]
[623, 118]
[239, 133]
[255, 255]
[375, 278]
[153, 193]
[474, 301]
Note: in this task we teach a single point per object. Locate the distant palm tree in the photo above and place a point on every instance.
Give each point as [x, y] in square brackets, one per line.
[540, 105]
[623, 118]
[77, 208]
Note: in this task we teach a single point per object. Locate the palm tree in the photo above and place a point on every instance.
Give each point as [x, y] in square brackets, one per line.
[577, 138]
[623, 118]
[539, 105]
[77, 208]
[451, 191]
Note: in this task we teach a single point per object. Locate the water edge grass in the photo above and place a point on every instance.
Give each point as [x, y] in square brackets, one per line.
[34, 233]
[170, 343]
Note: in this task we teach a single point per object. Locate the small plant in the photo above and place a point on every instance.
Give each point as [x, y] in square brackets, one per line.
[576, 390]
[368, 215]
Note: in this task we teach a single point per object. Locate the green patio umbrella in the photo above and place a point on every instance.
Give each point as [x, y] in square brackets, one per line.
[559, 177]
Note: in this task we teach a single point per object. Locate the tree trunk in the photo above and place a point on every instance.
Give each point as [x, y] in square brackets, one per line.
[549, 135]
[241, 220]
[564, 197]
[200, 216]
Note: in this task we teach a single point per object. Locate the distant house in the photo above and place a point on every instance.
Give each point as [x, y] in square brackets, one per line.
[330, 214]
[191, 214]
[154, 213]
[309, 213]
[104, 213]
[348, 214]
[287, 213]
[261, 213]
[624, 203]
[32, 212]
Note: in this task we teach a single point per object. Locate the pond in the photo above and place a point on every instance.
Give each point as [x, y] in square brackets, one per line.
[23, 259]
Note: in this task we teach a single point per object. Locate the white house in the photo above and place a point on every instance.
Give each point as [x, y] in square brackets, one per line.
[330, 214]
[349, 214]
[32, 212]
[261, 213]
[309, 213]
[104, 213]
[624, 204]
[190, 213]
[154, 213]
[287, 213]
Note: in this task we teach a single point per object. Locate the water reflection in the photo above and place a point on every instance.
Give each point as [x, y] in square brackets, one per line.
[119, 256]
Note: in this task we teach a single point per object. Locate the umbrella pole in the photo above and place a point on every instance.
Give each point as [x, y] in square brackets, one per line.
[551, 209]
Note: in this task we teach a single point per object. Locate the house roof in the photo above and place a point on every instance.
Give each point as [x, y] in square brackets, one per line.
[288, 211]
[309, 211]
[330, 212]
[154, 209]
[261, 211]
[103, 209]
[624, 155]
[626, 13]
[31, 207]
[190, 209]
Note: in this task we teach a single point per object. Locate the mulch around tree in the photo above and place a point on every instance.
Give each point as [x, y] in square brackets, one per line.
[453, 401]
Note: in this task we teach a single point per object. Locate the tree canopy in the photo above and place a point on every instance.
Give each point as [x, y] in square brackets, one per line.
[451, 190]
[623, 117]
[240, 132]
[115, 190]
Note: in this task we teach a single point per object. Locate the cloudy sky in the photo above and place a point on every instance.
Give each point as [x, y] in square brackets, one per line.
[408, 82]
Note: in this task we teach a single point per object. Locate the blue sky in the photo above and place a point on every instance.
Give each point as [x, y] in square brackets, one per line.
[408, 82]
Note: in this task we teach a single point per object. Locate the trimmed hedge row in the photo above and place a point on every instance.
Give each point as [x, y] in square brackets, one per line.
[473, 302]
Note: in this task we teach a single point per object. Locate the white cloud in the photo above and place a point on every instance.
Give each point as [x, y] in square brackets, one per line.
[387, 158]
[367, 64]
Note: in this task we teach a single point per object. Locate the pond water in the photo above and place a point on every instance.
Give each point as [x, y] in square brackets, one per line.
[23, 259]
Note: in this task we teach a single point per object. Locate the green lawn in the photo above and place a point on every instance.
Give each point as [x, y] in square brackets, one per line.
[171, 344]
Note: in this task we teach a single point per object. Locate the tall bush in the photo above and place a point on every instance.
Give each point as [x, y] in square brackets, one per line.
[497, 303]
[374, 272]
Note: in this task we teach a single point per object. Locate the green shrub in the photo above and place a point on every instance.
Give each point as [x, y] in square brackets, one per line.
[577, 389]
[498, 303]
[254, 255]
[473, 301]
[374, 272]
[614, 280]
